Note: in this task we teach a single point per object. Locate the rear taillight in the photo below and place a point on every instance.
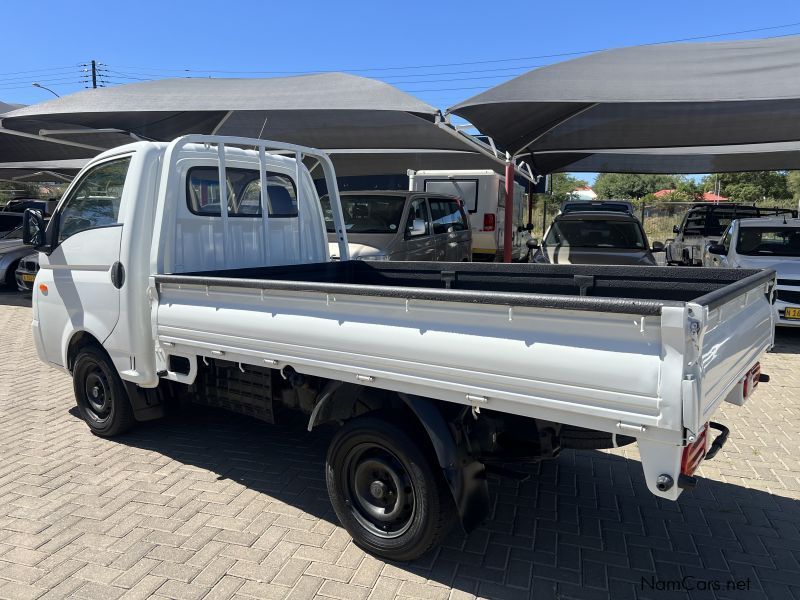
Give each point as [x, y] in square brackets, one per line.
[694, 453]
[488, 221]
[751, 380]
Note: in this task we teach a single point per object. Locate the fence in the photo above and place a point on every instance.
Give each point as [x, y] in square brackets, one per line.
[658, 218]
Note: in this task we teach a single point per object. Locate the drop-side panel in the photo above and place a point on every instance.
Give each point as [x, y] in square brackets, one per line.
[523, 360]
[734, 337]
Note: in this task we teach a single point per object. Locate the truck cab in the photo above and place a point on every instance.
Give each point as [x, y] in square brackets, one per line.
[765, 243]
[98, 242]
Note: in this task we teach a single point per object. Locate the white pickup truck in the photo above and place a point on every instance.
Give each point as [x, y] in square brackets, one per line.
[158, 284]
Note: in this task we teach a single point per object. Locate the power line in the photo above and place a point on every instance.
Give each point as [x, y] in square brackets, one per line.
[71, 67]
[459, 64]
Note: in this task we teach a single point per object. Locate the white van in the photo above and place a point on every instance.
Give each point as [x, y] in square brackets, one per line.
[483, 195]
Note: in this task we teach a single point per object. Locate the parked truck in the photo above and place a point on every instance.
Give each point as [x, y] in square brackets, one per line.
[157, 283]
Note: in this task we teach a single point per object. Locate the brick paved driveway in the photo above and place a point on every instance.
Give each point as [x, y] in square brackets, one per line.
[214, 505]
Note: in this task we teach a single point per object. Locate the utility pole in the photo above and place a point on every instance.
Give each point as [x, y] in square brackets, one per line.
[94, 74]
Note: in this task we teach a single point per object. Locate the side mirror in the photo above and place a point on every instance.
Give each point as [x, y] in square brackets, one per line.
[532, 244]
[33, 230]
[718, 249]
[417, 228]
[658, 246]
[676, 229]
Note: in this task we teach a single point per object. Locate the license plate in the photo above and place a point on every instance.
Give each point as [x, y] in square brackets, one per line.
[31, 278]
[792, 313]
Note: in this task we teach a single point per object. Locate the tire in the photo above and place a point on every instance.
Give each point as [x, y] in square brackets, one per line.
[579, 438]
[368, 462]
[101, 397]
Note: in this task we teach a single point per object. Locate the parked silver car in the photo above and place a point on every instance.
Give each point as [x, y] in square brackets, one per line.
[399, 225]
[26, 272]
[11, 251]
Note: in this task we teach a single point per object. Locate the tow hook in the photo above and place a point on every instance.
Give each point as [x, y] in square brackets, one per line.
[664, 483]
[720, 440]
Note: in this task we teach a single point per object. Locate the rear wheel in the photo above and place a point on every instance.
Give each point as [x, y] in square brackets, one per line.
[100, 394]
[388, 495]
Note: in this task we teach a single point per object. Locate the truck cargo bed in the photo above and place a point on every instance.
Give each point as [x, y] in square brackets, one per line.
[636, 290]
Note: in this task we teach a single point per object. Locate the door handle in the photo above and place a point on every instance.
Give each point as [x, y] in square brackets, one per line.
[117, 274]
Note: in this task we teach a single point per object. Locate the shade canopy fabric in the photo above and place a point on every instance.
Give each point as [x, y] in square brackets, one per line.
[699, 159]
[646, 97]
[331, 111]
[21, 171]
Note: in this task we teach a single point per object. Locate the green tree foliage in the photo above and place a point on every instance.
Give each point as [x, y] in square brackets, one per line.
[564, 184]
[750, 186]
[793, 184]
[628, 186]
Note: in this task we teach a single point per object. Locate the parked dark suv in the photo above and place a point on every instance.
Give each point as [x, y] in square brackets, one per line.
[596, 235]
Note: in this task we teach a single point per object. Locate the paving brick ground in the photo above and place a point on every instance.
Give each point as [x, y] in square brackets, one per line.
[212, 507]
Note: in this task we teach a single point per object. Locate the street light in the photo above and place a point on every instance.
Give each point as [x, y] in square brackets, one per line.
[39, 85]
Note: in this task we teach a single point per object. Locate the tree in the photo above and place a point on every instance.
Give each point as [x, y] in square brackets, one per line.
[564, 184]
[629, 186]
[793, 184]
[749, 186]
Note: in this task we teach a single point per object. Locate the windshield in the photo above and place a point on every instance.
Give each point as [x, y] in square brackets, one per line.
[768, 241]
[596, 234]
[368, 213]
[14, 234]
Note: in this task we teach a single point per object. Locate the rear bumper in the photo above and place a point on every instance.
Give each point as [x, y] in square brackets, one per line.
[780, 320]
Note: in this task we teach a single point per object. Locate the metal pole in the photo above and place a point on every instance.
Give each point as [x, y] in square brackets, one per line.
[508, 225]
[530, 203]
[94, 74]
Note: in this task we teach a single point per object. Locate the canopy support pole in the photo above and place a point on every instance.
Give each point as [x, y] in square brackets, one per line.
[508, 219]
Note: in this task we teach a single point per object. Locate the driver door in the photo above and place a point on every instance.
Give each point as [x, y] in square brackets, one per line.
[81, 274]
[419, 247]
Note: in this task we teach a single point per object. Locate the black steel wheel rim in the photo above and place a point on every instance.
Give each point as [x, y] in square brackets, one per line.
[379, 490]
[97, 392]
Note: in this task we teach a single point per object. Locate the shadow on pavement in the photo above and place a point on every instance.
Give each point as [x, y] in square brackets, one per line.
[13, 297]
[787, 340]
[582, 526]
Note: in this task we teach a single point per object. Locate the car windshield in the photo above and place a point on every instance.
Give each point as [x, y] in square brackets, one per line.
[768, 241]
[368, 213]
[14, 234]
[596, 233]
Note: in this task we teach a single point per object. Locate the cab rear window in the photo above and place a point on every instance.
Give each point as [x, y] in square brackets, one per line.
[243, 192]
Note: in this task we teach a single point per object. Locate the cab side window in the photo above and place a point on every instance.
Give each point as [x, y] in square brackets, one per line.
[726, 239]
[95, 201]
[447, 216]
[418, 210]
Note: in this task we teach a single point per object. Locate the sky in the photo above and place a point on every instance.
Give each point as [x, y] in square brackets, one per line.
[442, 52]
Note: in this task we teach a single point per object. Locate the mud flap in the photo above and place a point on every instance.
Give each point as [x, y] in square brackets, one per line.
[147, 403]
[465, 476]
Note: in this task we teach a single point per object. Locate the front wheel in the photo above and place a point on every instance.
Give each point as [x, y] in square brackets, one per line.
[387, 494]
[100, 394]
